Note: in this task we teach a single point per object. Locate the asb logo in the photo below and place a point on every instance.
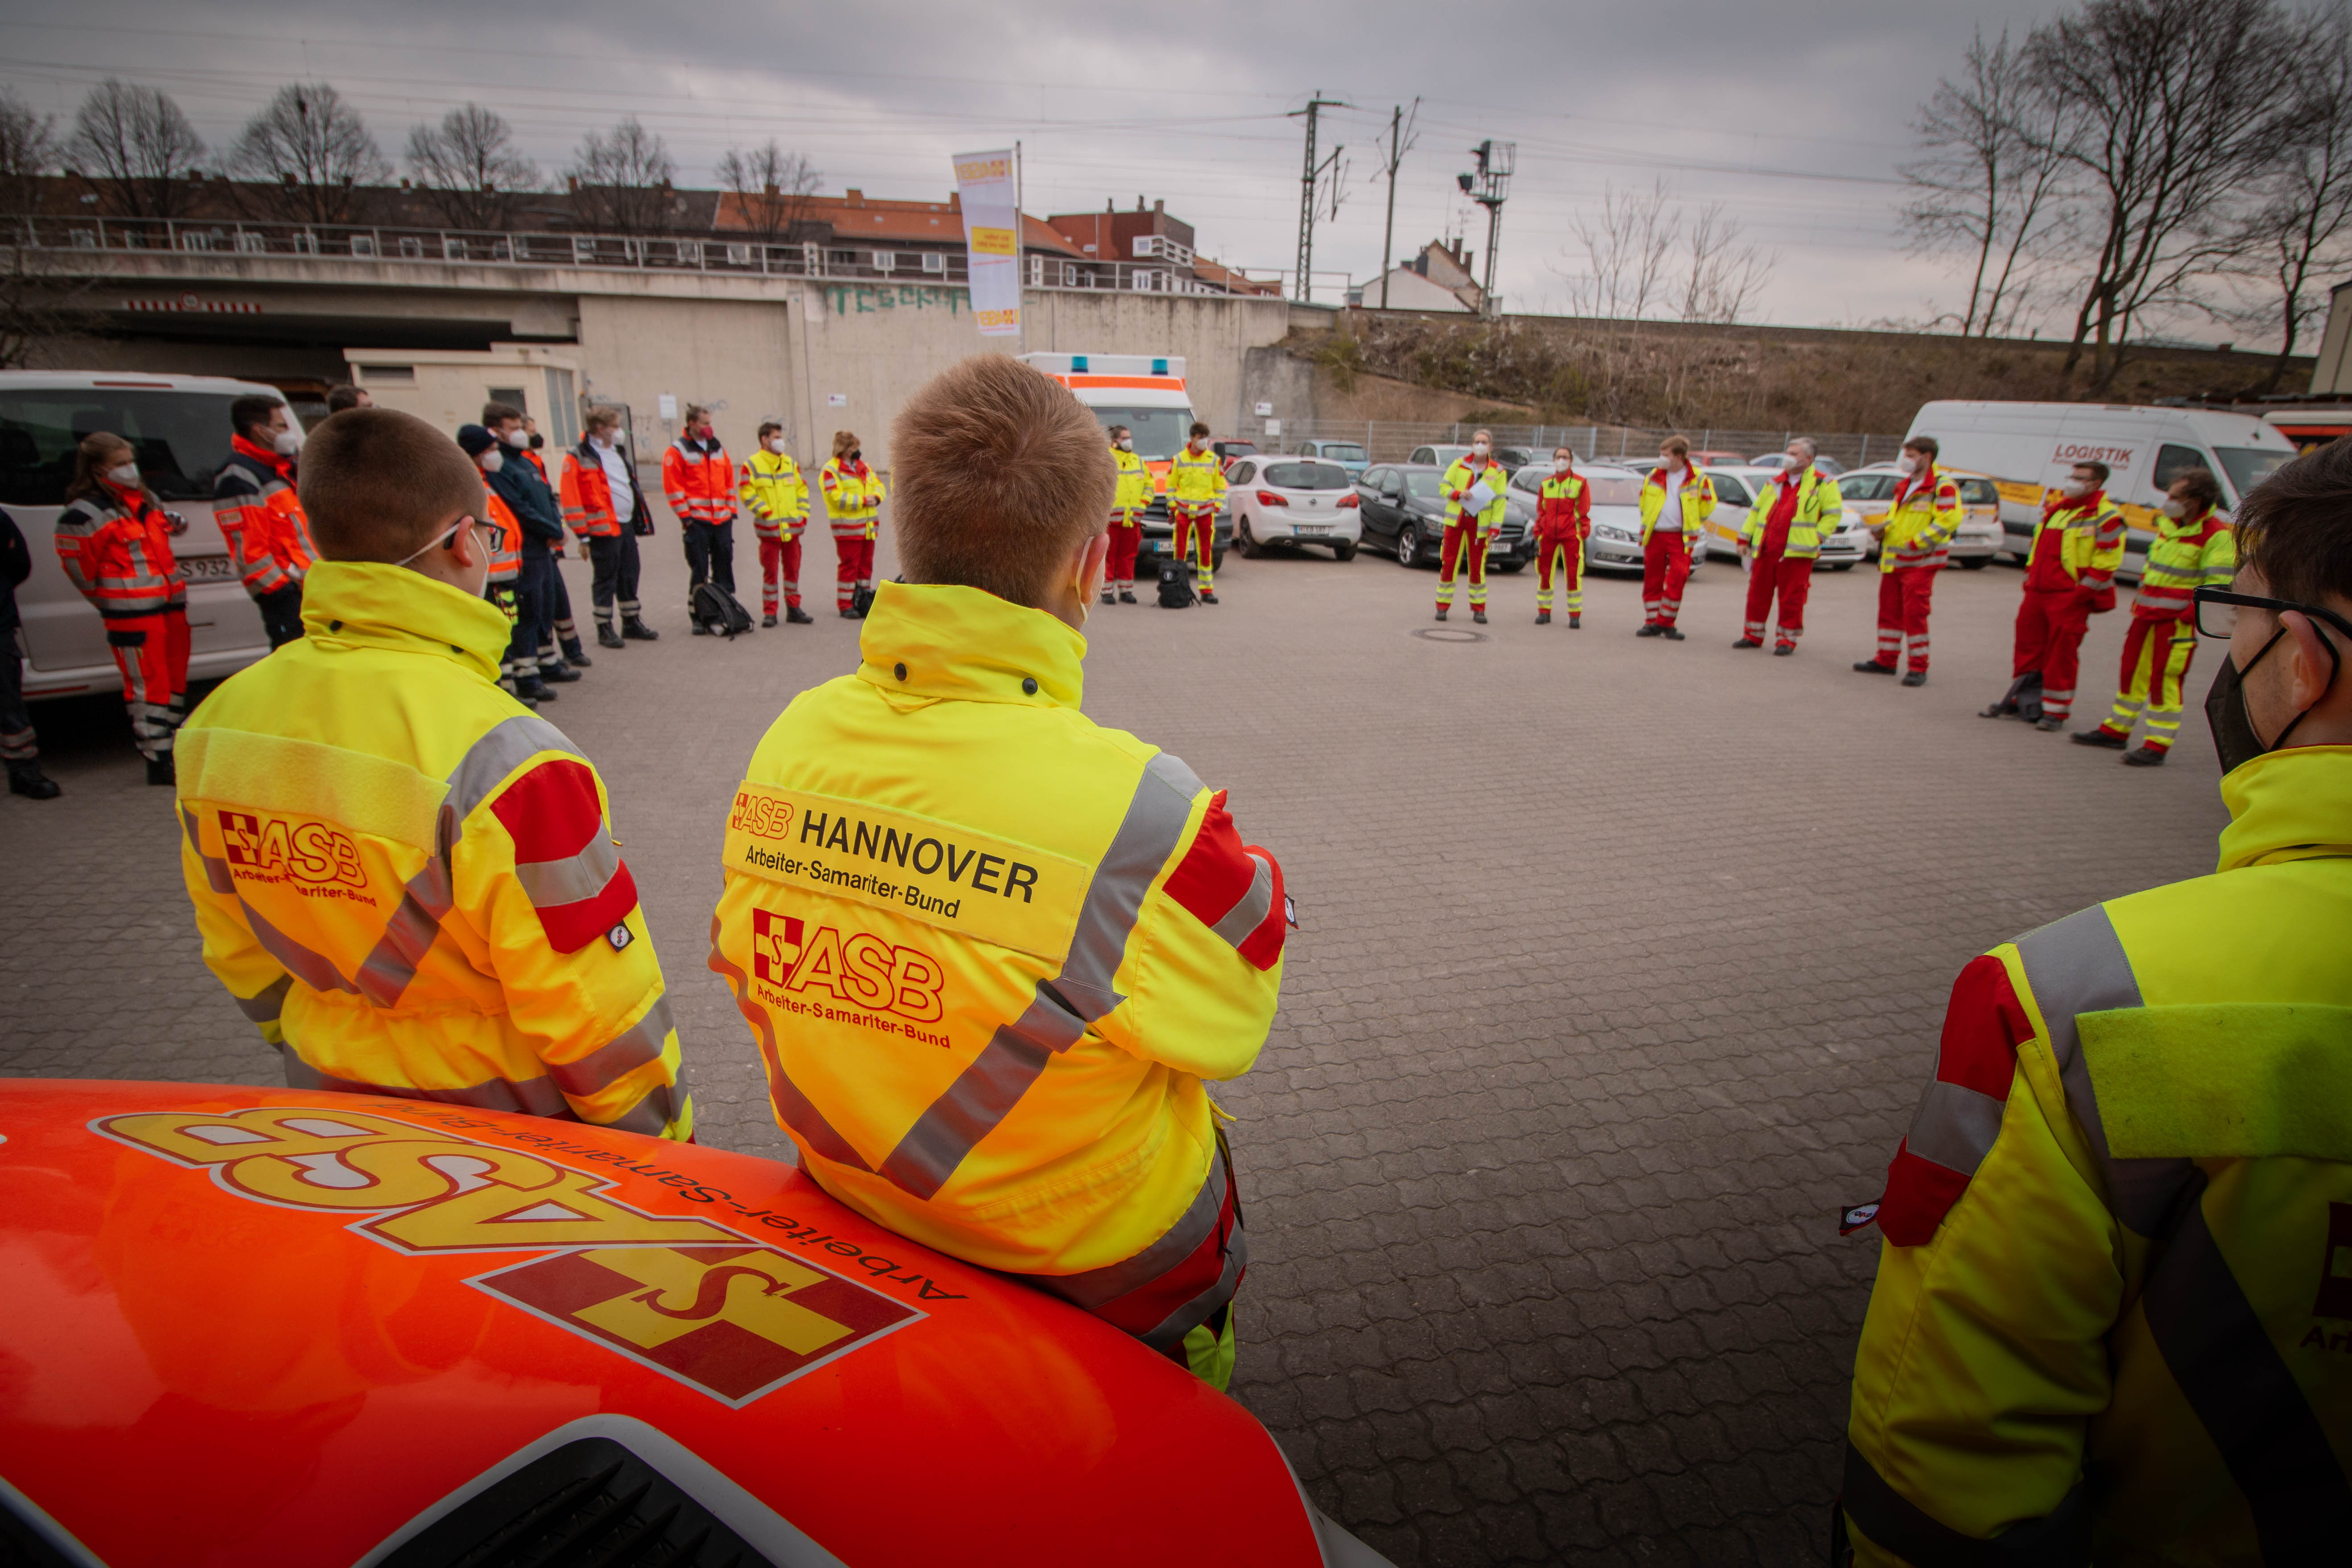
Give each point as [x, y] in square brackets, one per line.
[860, 970]
[270, 847]
[760, 816]
[735, 1322]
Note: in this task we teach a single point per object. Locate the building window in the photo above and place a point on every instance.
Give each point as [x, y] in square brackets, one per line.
[362, 245]
[393, 374]
[886, 261]
[412, 247]
[935, 261]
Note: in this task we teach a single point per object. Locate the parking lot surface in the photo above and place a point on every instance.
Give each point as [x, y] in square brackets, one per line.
[1618, 965]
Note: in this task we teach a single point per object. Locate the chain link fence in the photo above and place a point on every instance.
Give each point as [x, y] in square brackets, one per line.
[1394, 441]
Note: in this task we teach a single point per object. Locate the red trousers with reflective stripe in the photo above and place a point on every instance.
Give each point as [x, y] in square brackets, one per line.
[1196, 544]
[1125, 539]
[1903, 602]
[1462, 539]
[1665, 567]
[779, 556]
[2049, 627]
[1567, 552]
[852, 565]
[1790, 577]
[151, 652]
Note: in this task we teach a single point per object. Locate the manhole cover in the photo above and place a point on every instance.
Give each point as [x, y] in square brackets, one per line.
[1449, 634]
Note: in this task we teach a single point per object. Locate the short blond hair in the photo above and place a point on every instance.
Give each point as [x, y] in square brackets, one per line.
[844, 442]
[1002, 474]
[378, 484]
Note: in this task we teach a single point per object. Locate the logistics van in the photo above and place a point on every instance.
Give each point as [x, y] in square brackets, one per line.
[179, 426]
[2028, 448]
[1145, 393]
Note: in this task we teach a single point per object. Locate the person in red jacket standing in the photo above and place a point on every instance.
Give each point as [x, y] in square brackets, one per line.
[260, 517]
[1563, 523]
[698, 478]
[604, 505]
[114, 544]
[2070, 577]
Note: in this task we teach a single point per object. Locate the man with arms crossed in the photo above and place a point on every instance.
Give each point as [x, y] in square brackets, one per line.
[988, 948]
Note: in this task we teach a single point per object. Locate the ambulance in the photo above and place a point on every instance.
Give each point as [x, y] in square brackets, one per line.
[2028, 448]
[1145, 393]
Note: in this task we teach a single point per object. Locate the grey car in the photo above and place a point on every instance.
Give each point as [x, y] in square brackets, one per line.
[1404, 514]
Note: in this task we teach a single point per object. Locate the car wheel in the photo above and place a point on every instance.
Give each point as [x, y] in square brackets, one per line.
[1408, 546]
[1245, 541]
[1840, 565]
[1977, 563]
[1508, 566]
[1216, 559]
[1343, 550]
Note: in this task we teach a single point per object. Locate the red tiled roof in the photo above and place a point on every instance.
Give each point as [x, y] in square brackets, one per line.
[902, 222]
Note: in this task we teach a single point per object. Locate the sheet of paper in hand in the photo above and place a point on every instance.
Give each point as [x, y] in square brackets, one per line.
[1481, 497]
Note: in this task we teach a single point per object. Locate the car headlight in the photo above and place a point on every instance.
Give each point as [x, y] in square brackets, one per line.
[1604, 531]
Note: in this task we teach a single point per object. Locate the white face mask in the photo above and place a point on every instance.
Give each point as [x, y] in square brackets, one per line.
[1127, 443]
[2077, 488]
[1796, 466]
[2175, 509]
[776, 444]
[287, 443]
[491, 460]
[518, 437]
[1673, 465]
[1478, 448]
[1198, 444]
[124, 474]
[1559, 465]
[1906, 465]
[617, 440]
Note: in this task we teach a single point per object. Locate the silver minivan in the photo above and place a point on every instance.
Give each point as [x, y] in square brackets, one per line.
[179, 426]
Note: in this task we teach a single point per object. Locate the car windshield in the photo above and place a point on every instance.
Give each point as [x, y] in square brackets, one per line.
[1423, 483]
[182, 438]
[1615, 490]
[1866, 487]
[1159, 433]
[1342, 452]
[2250, 465]
[1730, 491]
[1308, 476]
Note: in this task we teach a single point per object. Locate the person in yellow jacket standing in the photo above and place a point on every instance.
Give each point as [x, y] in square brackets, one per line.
[1471, 519]
[1781, 540]
[406, 879]
[1196, 494]
[990, 949]
[1676, 501]
[776, 496]
[853, 508]
[1129, 498]
[1915, 542]
[2193, 549]
[2113, 1317]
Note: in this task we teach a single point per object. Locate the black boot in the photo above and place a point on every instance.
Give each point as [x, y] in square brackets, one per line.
[2101, 736]
[606, 637]
[559, 672]
[575, 654]
[633, 626]
[1127, 596]
[27, 779]
[796, 617]
[768, 619]
[161, 772]
[533, 692]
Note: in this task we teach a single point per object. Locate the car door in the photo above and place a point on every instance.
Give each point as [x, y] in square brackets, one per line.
[1377, 502]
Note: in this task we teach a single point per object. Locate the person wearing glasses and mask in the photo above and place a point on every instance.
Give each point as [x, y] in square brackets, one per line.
[406, 879]
[2113, 1310]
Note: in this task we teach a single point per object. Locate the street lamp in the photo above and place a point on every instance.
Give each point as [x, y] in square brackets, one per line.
[1490, 186]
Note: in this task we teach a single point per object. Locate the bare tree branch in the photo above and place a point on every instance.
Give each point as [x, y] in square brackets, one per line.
[308, 151]
[135, 140]
[38, 304]
[469, 165]
[28, 149]
[772, 187]
[1725, 277]
[621, 179]
[2304, 227]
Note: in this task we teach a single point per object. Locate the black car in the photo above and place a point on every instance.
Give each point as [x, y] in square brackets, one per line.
[1404, 514]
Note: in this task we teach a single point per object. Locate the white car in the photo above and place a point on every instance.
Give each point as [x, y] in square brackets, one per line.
[1294, 500]
[1616, 538]
[1870, 490]
[1736, 490]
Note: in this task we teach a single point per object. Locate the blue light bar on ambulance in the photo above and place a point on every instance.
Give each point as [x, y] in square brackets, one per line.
[1077, 364]
[1170, 366]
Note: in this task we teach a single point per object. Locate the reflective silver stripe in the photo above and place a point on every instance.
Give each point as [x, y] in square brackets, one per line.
[1056, 1016]
[531, 1096]
[625, 1052]
[410, 934]
[573, 878]
[1097, 1286]
[1955, 1126]
[2059, 1539]
[506, 747]
[1250, 913]
[264, 1005]
[651, 1115]
[1169, 1333]
[2078, 965]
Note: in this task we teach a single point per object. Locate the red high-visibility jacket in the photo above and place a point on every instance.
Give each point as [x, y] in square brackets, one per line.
[114, 547]
[261, 517]
[1564, 507]
[700, 481]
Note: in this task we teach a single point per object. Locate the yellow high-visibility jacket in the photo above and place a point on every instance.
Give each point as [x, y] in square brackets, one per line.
[1697, 504]
[2092, 544]
[987, 948]
[2114, 1309]
[1196, 481]
[1465, 473]
[854, 494]
[407, 879]
[776, 495]
[1920, 526]
[1134, 491]
[1820, 507]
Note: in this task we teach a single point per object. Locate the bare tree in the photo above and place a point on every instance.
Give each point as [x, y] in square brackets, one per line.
[2304, 225]
[1725, 277]
[2167, 110]
[1989, 183]
[621, 179]
[772, 187]
[135, 140]
[28, 149]
[468, 164]
[1626, 250]
[310, 151]
[38, 303]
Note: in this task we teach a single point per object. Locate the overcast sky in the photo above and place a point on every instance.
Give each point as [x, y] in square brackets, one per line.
[1793, 114]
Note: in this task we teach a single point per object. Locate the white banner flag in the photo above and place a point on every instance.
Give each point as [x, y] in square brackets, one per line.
[991, 233]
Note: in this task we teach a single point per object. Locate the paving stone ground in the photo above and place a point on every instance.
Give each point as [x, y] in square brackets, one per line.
[1619, 963]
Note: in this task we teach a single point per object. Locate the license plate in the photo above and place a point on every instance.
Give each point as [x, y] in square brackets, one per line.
[208, 568]
[1314, 528]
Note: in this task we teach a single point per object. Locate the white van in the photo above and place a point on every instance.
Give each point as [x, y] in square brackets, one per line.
[179, 426]
[2028, 448]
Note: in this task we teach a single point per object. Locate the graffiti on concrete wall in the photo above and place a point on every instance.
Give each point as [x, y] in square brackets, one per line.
[866, 299]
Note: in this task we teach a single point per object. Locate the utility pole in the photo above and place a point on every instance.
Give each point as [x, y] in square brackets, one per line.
[1400, 143]
[1312, 171]
[1490, 187]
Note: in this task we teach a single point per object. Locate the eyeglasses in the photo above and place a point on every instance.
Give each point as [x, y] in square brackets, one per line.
[2217, 611]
